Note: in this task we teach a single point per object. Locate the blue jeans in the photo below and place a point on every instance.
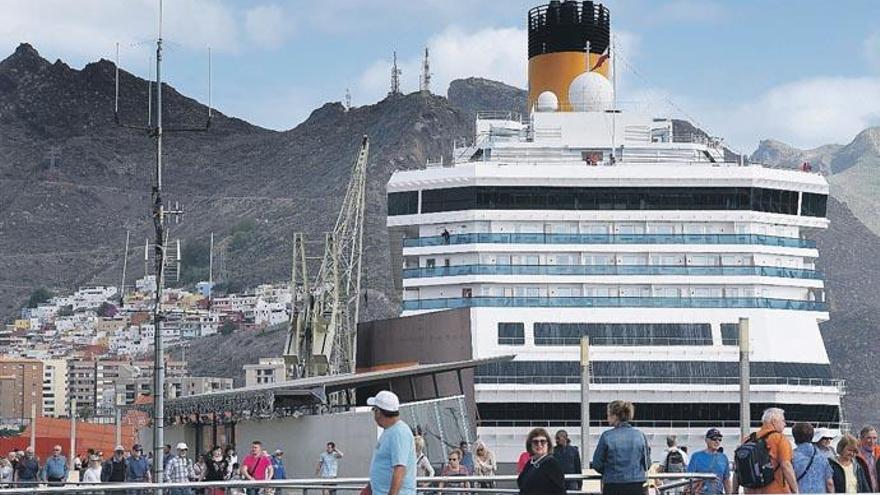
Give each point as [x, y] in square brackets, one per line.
[180, 491]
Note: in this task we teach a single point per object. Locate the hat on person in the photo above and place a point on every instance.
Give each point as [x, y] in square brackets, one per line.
[182, 446]
[714, 434]
[278, 451]
[137, 447]
[822, 433]
[386, 401]
[119, 448]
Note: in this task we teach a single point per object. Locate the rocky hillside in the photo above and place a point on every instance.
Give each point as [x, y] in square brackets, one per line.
[63, 219]
[64, 223]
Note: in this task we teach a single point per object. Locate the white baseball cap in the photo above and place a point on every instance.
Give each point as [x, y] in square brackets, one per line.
[386, 401]
[822, 433]
[182, 446]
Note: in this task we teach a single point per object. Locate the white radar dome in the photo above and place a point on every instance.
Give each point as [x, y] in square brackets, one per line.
[591, 92]
[548, 102]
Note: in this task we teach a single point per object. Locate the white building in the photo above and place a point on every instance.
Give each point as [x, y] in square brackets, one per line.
[55, 387]
[268, 370]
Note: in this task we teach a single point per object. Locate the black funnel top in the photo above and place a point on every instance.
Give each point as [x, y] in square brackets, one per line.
[567, 26]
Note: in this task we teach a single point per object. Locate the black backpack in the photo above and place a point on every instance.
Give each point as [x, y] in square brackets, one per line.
[674, 462]
[752, 461]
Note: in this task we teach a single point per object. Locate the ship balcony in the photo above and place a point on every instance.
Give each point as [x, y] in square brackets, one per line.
[462, 270]
[614, 302]
[524, 238]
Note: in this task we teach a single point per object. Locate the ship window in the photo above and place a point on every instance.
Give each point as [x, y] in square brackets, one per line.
[814, 205]
[403, 203]
[624, 333]
[511, 334]
[609, 198]
[729, 334]
[701, 372]
[654, 414]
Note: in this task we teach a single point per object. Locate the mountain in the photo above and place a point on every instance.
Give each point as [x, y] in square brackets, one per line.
[63, 219]
[778, 154]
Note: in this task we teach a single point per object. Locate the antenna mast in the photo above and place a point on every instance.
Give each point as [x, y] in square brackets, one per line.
[425, 79]
[395, 77]
[159, 214]
[346, 103]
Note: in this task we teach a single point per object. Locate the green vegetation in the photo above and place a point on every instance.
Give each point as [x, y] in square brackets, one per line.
[227, 327]
[39, 296]
[194, 261]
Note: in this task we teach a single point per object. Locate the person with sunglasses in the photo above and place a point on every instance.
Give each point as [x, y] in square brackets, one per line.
[542, 474]
[622, 455]
[712, 460]
[454, 467]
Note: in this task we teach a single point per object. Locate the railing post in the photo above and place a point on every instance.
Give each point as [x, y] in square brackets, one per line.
[745, 411]
[585, 398]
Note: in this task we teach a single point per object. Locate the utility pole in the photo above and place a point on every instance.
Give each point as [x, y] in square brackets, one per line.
[425, 79]
[72, 432]
[33, 424]
[159, 215]
[585, 397]
[745, 404]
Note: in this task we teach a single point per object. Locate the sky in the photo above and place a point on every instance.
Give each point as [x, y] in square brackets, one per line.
[804, 72]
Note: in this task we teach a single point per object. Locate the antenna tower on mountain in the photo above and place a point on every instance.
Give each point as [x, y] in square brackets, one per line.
[159, 213]
[395, 77]
[425, 79]
[346, 103]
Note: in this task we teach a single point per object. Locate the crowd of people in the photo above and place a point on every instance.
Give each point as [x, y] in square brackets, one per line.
[765, 462]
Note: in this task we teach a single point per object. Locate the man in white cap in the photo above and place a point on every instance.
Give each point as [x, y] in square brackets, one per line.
[393, 470]
[823, 438]
[114, 468]
[178, 470]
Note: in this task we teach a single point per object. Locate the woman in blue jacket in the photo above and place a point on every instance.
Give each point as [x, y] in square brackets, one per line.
[622, 454]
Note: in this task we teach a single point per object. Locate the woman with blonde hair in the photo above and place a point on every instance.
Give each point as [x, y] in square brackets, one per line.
[454, 468]
[847, 474]
[424, 469]
[484, 464]
[622, 454]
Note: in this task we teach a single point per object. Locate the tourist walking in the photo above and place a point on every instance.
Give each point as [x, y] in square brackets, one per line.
[216, 469]
[55, 471]
[484, 463]
[393, 468]
[232, 458]
[179, 470]
[328, 464]
[622, 454]
[138, 470]
[5, 473]
[848, 474]
[452, 468]
[569, 458]
[278, 472]
[869, 455]
[167, 455]
[780, 452]
[467, 457]
[811, 467]
[424, 469]
[822, 439]
[27, 471]
[542, 475]
[256, 466]
[712, 460]
[115, 468]
[92, 474]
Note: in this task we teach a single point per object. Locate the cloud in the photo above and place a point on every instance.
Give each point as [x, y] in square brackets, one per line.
[88, 29]
[494, 53]
[267, 25]
[805, 113]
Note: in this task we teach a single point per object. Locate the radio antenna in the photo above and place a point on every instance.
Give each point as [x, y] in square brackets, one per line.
[159, 214]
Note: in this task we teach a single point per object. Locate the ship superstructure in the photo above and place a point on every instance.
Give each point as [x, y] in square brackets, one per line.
[580, 220]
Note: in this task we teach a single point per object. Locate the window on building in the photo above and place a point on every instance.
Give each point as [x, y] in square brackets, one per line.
[730, 334]
[623, 334]
[511, 334]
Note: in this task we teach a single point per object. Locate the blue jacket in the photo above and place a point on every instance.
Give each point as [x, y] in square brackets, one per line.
[622, 455]
[278, 469]
[55, 468]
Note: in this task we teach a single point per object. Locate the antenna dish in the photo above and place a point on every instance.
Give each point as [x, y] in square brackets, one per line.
[591, 92]
[548, 102]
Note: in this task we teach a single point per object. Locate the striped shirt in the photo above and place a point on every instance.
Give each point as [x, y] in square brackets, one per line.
[177, 470]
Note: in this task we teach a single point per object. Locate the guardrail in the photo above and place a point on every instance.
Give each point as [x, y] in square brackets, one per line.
[482, 484]
[523, 238]
[485, 269]
[654, 380]
[613, 302]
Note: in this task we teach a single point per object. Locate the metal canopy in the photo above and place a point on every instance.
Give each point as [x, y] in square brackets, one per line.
[281, 399]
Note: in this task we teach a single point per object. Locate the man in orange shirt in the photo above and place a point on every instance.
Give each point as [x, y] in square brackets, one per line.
[772, 428]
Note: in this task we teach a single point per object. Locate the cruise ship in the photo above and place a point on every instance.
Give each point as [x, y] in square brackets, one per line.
[581, 219]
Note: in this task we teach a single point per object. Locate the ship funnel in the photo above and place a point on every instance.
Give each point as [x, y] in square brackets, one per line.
[570, 57]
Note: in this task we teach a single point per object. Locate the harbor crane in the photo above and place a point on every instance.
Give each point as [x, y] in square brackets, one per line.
[325, 309]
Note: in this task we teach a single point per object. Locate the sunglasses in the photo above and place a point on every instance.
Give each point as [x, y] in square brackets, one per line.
[540, 441]
[452, 459]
